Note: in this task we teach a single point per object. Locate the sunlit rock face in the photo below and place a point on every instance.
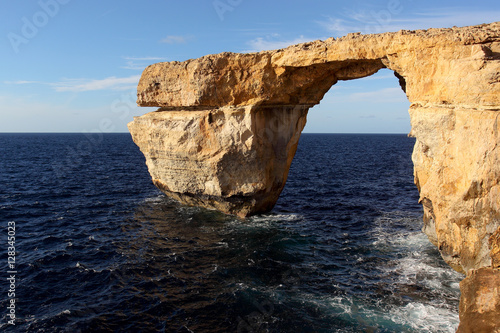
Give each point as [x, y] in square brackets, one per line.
[480, 301]
[228, 125]
[234, 159]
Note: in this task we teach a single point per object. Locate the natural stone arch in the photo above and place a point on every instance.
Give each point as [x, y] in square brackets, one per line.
[228, 126]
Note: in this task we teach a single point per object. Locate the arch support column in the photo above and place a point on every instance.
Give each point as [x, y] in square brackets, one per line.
[233, 159]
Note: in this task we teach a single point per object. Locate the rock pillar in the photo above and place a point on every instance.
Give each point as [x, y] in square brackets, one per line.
[233, 159]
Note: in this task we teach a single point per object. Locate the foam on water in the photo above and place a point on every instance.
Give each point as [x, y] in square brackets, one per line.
[283, 217]
[156, 199]
[418, 256]
[418, 265]
[412, 317]
[425, 318]
[417, 291]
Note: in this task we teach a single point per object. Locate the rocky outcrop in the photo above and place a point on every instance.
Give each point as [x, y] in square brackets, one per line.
[480, 301]
[234, 159]
[228, 126]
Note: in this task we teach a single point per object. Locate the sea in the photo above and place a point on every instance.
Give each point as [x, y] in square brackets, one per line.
[98, 248]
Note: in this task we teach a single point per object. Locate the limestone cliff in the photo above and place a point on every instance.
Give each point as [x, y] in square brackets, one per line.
[234, 158]
[229, 124]
[480, 301]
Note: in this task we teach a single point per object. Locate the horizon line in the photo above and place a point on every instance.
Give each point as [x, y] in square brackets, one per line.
[382, 133]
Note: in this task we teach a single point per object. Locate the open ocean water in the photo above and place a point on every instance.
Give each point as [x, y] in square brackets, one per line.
[100, 249]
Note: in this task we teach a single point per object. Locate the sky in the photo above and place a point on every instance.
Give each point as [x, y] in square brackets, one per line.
[73, 66]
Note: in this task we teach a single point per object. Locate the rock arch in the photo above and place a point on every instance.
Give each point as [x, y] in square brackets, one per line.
[228, 126]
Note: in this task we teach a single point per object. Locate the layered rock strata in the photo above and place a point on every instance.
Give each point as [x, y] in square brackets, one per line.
[228, 126]
[234, 159]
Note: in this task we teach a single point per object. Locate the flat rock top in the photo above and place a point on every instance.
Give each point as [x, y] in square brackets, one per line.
[302, 73]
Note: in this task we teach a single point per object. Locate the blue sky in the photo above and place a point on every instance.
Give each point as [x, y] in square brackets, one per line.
[72, 66]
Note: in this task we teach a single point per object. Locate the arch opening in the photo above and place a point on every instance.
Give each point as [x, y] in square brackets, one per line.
[355, 193]
[372, 104]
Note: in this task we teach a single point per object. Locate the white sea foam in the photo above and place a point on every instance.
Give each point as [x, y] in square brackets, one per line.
[425, 318]
[155, 199]
[64, 312]
[264, 221]
[276, 217]
[412, 269]
[414, 316]
[417, 263]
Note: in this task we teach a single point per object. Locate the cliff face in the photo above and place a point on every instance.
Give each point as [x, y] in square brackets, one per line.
[229, 124]
[234, 159]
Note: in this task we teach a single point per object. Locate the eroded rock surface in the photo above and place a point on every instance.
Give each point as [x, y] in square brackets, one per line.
[233, 159]
[229, 124]
[480, 301]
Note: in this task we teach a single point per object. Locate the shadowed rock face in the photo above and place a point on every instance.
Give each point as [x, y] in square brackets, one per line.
[229, 124]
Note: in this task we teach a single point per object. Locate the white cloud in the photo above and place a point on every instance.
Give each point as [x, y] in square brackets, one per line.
[380, 77]
[171, 39]
[382, 20]
[79, 85]
[144, 58]
[22, 82]
[139, 63]
[110, 83]
[340, 27]
[386, 95]
[62, 113]
[272, 43]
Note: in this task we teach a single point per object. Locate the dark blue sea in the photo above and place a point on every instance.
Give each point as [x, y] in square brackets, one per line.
[100, 249]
